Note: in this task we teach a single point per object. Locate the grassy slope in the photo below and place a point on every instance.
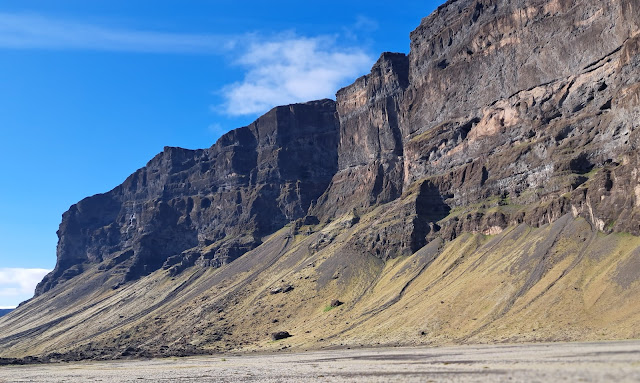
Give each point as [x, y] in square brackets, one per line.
[559, 282]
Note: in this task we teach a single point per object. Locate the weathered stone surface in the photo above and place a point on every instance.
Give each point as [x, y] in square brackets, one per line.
[471, 53]
[509, 110]
[204, 207]
[371, 143]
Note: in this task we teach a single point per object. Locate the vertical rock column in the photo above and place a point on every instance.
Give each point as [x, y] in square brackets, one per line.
[371, 144]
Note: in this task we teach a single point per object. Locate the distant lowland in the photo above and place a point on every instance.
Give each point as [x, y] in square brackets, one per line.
[484, 188]
[5, 311]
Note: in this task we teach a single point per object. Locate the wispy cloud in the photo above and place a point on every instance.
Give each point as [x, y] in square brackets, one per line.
[30, 31]
[366, 23]
[288, 69]
[279, 69]
[18, 284]
[217, 130]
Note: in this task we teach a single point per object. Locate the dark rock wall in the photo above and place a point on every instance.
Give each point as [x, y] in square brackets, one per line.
[501, 105]
[504, 112]
[370, 148]
[471, 53]
[206, 206]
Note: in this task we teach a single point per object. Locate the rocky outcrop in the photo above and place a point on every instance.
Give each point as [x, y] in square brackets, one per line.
[204, 206]
[508, 109]
[471, 53]
[370, 149]
[545, 136]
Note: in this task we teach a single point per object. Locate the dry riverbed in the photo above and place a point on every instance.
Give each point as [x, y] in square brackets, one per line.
[544, 362]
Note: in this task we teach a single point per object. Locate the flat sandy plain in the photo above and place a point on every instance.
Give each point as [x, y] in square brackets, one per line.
[542, 362]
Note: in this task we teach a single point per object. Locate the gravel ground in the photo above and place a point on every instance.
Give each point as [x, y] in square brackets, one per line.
[544, 362]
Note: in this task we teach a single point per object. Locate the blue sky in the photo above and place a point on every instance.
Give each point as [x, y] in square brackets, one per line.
[92, 90]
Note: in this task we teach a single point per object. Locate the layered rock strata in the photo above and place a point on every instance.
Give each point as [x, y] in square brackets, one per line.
[204, 206]
[507, 109]
[502, 113]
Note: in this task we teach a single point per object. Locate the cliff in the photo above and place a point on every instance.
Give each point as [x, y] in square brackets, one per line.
[203, 206]
[482, 188]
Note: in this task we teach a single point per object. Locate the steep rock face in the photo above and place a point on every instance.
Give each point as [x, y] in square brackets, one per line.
[370, 148]
[508, 109]
[204, 206]
[544, 138]
[471, 53]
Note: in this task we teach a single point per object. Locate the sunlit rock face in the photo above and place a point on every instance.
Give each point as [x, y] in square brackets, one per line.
[499, 105]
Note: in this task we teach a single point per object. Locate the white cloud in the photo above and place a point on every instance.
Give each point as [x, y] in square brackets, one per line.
[365, 23]
[281, 69]
[29, 31]
[289, 69]
[217, 130]
[18, 284]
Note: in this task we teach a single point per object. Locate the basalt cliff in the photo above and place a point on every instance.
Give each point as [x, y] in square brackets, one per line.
[483, 188]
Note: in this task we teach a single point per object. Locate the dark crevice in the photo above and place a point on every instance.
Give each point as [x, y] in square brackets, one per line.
[606, 105]
[466, 128]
